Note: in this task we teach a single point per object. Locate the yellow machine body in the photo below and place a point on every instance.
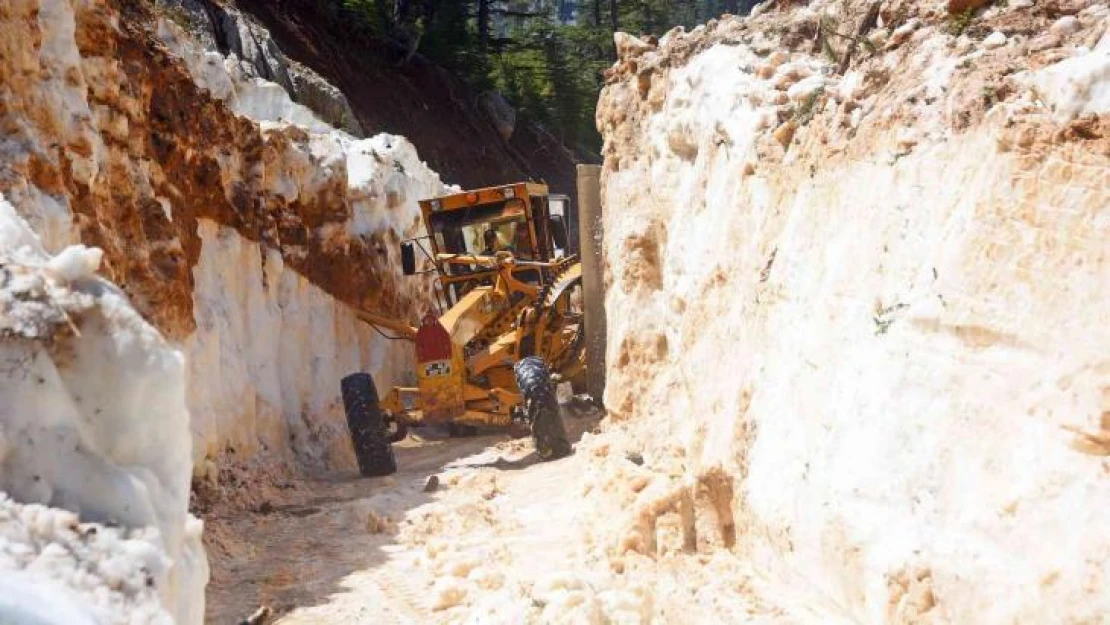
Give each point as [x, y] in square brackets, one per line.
[494, 308]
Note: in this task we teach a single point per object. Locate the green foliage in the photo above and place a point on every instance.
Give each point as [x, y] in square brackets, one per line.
[550, 71]
[363, 16]
[552, 74]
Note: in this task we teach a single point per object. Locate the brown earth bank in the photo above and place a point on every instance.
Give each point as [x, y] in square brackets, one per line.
[155, 137]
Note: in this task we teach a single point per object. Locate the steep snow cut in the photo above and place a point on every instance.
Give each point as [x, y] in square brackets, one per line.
[858, 322]
[92, 420]
[270, 347]
[267, 353]
[224, 209]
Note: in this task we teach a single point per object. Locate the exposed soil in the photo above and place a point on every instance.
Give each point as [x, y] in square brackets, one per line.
[167, 140]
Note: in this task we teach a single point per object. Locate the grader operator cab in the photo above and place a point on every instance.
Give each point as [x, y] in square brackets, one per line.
[502, 327]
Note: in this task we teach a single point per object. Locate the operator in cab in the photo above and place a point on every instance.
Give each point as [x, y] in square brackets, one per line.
[522, 245]
[492, 246]
[522, 250]
[490, 239]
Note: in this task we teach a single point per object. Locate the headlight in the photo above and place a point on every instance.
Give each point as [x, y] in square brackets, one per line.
[508, 192]
[436, 206]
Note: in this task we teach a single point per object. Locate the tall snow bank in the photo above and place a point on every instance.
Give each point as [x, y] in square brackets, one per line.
[92, 420]
[270, 347]
[244, 214]
[267, 355]
[854, 331]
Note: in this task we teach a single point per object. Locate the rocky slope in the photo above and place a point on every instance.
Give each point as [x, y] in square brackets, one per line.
[857, 311]
[443, 117]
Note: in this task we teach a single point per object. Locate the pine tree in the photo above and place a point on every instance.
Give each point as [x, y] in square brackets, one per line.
[550, 71]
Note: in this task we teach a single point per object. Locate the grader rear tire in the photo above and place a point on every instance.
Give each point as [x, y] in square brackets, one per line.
[367, 425]
[534, 380]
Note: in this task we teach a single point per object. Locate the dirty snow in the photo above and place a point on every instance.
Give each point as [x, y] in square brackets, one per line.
[259, 379]
[864, 367]
[268, 352]
[93, 421]
[59, 571]
[1076, 86]
[870, 400]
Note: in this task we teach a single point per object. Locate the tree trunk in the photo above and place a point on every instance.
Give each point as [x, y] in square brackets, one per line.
[614, 16]
[483, 23]
[385, 16]
[430, 7]
[597, 13]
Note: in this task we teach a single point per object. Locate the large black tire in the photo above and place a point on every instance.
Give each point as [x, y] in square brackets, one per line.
[534, 380]
[367, 425]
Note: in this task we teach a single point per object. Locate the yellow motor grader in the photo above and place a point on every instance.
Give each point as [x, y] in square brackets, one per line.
[504, 328]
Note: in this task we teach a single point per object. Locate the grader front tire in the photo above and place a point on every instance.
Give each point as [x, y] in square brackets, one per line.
[366, 422]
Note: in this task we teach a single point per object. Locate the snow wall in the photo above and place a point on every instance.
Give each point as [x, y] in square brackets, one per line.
[858, 322]
[238, 230]
[92, 421]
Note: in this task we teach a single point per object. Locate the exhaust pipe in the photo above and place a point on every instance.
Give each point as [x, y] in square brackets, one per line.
[590, 241]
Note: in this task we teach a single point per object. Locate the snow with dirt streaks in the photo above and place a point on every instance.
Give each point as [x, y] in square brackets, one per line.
[270, 347]
[1079, 85]
[268, 352]
[93, 421]
[860, 347]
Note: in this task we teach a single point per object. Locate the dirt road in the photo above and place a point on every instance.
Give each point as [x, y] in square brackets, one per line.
[501, 538]
[345, 549]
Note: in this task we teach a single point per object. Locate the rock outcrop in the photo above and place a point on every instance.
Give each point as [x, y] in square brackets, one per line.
[430, 106]
[856, 313]
[500, 112]
[240, 38]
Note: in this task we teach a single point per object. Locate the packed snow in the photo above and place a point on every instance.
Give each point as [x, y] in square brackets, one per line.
[1079, 85]
[258, 380]
[267, 354]
[876, 349]
[59, 571]
[92, 421]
